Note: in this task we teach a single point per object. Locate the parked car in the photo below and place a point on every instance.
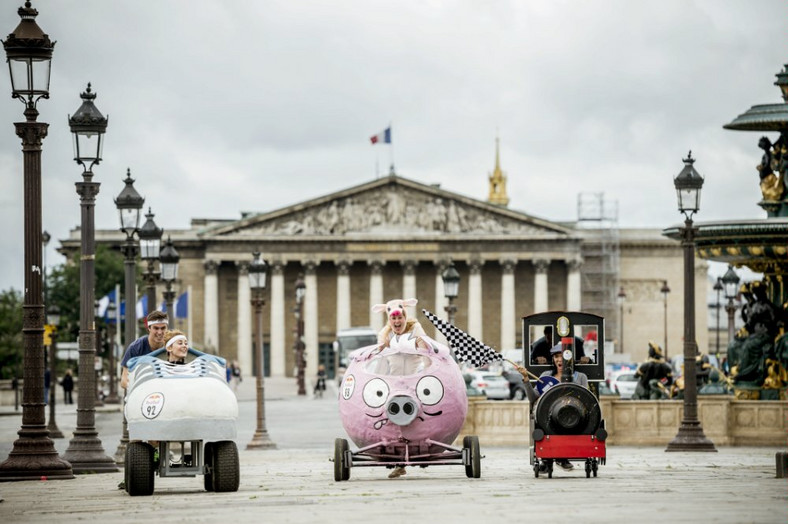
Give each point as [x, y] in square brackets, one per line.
[516, 384]
[623, 383]
[493, 385]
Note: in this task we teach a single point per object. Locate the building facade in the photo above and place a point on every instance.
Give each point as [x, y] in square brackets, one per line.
[392, 238]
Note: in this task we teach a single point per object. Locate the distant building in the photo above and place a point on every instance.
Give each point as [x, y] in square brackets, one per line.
[391, 238]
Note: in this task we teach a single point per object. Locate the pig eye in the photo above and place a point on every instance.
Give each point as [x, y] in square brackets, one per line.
[429, 390]
[376, 391]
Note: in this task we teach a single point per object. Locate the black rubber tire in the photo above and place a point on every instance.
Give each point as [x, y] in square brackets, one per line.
[341, 468]
[474, 469]
[588, 468]
[139, 469]
[519, 394]
[226, 467]
[208, 454]
[536, 469]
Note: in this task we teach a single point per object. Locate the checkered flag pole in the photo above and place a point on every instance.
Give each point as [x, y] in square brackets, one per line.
[467, 348]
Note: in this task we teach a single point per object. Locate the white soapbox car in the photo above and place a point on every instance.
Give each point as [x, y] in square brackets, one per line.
[177, 408]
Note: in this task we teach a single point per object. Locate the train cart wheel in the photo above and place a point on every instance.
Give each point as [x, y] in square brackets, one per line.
[139, 469]
[474, 468]
[226, 475]
[208, 466]
[594, 466]
[588, 468]
[550, 468]
[341, 467]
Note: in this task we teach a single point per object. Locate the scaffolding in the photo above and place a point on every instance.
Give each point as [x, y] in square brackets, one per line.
[598, 220]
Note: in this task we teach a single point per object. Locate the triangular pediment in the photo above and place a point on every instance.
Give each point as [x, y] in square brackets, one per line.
[390, 206]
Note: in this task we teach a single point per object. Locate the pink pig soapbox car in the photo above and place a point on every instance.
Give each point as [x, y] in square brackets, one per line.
[180, 407]
[404, 406]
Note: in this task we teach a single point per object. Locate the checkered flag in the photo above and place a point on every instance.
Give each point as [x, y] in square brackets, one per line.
[467, 348]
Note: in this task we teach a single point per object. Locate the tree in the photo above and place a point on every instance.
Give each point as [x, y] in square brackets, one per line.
[63, 287]
[11, 348]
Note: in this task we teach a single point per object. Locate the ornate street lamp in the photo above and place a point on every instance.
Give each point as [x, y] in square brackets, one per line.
[150, 247]
[690, 435]
[622, 297]
[113, 323]
[129, 204]
[451, 288]
[665, 290]
[29, 54]
[169, 259]
[257, 274]
[85, 451]
[53, 319]
[730, 280]
[99, 345]
[300, 291]
[717, 306]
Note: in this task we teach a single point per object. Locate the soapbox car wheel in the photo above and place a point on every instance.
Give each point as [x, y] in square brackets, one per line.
[341, 467]
[474, 467]
[223, 466]
[139, 469]
[208, 476]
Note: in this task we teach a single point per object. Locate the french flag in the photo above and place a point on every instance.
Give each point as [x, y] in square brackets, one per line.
[382, 138]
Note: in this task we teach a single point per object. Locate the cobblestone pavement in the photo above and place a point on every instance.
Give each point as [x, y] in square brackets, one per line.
[294, 483]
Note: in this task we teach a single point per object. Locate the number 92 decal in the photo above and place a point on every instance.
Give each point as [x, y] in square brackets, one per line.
[152, 405]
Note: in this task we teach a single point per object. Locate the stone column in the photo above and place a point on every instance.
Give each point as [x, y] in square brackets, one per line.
[540, 285]
[278, 351]
[310, 321]
[475, 302]
[244, 321]
[211, 321]
[409, 284]
[508, 311]
[375, 292]
[343, 294]
[573, 285]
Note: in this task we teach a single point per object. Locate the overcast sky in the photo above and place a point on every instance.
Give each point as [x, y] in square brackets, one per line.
[223, 107]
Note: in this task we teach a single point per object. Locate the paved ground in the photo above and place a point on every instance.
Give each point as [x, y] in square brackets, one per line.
[294, 483]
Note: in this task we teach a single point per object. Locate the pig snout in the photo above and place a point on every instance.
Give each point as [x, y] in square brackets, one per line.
[402, 410]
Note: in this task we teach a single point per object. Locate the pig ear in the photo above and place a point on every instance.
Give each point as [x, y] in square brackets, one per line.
[377, 308]
[410, 302]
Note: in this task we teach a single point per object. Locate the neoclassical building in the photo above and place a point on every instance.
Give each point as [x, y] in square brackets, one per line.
[391, 238]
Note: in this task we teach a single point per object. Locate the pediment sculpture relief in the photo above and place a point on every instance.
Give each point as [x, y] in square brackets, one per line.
[393, 211]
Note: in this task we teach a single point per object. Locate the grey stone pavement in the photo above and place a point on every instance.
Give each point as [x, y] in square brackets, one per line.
[294, 483]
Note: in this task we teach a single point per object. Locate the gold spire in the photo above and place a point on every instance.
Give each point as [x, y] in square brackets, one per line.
[498, 182]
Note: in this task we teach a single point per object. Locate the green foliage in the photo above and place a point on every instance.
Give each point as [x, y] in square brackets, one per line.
[64, 289]
[11, 348]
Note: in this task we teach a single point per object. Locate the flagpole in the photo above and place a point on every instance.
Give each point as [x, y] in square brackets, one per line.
[189, 312]
[391, 149]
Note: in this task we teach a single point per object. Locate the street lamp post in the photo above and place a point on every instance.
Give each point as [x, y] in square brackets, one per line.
[112, 324]
[150, 246]
[129, 204]
[690, 435]
[257, 274]
[300, 291]
[97, 359]
[451, 288]
[665, 290]
[85, 451]
[53, 319]
[730, 280]
[717, 306]
[29, 54]
[169, 259]
[622, 296]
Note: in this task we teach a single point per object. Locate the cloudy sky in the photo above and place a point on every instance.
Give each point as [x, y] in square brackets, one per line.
[223, 107]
